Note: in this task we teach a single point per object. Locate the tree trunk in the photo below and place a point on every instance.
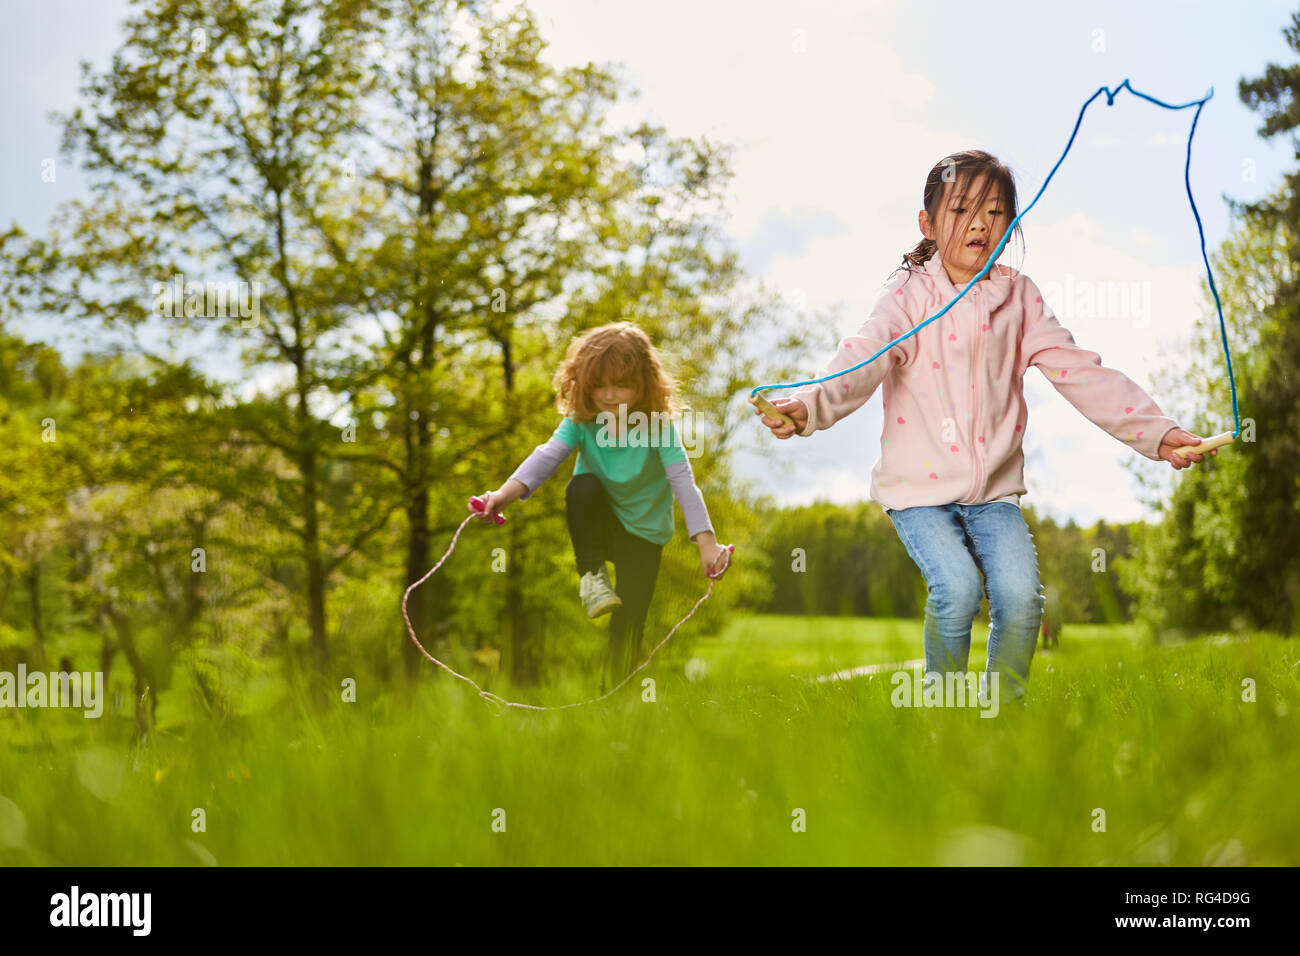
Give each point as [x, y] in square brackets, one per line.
[525, 652]
[315, 569]
[192, 605]
[146, 698]
[424, 608]
[427, 609]
[525, 657]
[311, 544]
[417, 564]
[106, 650]
[4, 595]
[34, 594]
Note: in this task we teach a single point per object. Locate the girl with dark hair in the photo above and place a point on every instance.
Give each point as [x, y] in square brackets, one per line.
[951, 469]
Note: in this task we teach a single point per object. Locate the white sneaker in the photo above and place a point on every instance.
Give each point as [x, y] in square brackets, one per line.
[597, 593]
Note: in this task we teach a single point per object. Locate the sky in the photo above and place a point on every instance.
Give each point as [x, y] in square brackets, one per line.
[836, 111]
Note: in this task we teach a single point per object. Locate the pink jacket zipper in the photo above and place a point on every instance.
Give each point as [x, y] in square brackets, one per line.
[976, 361]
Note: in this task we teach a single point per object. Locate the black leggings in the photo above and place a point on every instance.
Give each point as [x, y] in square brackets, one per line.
[597, 536]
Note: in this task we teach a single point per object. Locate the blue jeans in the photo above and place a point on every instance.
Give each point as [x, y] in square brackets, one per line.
[952, 545]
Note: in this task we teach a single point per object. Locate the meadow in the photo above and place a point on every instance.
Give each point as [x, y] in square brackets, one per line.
[742, 758]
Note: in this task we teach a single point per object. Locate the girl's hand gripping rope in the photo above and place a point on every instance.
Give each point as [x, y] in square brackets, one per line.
[488, 507]
[715, 564]
[794, 416]
[1180, 448]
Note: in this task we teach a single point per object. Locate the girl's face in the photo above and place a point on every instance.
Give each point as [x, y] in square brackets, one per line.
[966, 233]
[609, 396]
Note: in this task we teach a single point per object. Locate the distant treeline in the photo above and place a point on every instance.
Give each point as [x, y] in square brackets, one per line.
[829, 559]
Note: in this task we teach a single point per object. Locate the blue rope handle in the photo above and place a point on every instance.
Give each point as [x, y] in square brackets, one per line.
[1110, 101]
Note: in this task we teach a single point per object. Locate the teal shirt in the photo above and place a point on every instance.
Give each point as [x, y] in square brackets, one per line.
[633, 476]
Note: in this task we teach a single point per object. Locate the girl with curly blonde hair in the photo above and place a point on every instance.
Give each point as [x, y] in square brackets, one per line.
[619, 500]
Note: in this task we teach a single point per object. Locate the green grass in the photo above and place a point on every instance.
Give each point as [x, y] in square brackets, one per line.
[711, 772]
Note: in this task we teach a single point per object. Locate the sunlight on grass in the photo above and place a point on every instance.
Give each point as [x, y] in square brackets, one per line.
[718, 769]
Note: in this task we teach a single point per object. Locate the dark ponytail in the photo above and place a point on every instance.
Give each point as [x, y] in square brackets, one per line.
[920, 255]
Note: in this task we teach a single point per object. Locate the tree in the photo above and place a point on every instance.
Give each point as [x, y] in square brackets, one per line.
[33, 383]
[210, 137]
[1225, 553]
[507, 216]
[432, 212]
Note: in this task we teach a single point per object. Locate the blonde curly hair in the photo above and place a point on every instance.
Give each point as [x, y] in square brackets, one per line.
[618, 354]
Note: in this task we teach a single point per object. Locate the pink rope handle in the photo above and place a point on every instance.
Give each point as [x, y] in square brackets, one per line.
[504, 705]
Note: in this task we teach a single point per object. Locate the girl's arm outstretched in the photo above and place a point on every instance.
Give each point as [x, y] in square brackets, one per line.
[534, 470]
[1105, 396]
[698, 527]
[828, 402]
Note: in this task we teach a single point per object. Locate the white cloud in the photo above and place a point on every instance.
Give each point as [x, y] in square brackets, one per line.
[837, 485]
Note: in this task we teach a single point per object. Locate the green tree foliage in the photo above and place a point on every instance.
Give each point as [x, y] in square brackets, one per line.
[510, 215]
[840, 560]
[34, 475]
[1224, 556]
[428, 213]
[207, 141]
[847, 560]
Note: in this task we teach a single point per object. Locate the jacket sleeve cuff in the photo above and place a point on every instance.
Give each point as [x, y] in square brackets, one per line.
[808, 395]
[1155, 446]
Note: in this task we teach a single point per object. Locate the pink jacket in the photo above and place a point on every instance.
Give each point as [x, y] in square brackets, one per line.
[955, 412]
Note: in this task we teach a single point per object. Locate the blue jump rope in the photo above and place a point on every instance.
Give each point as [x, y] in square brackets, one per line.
[1210, 443]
